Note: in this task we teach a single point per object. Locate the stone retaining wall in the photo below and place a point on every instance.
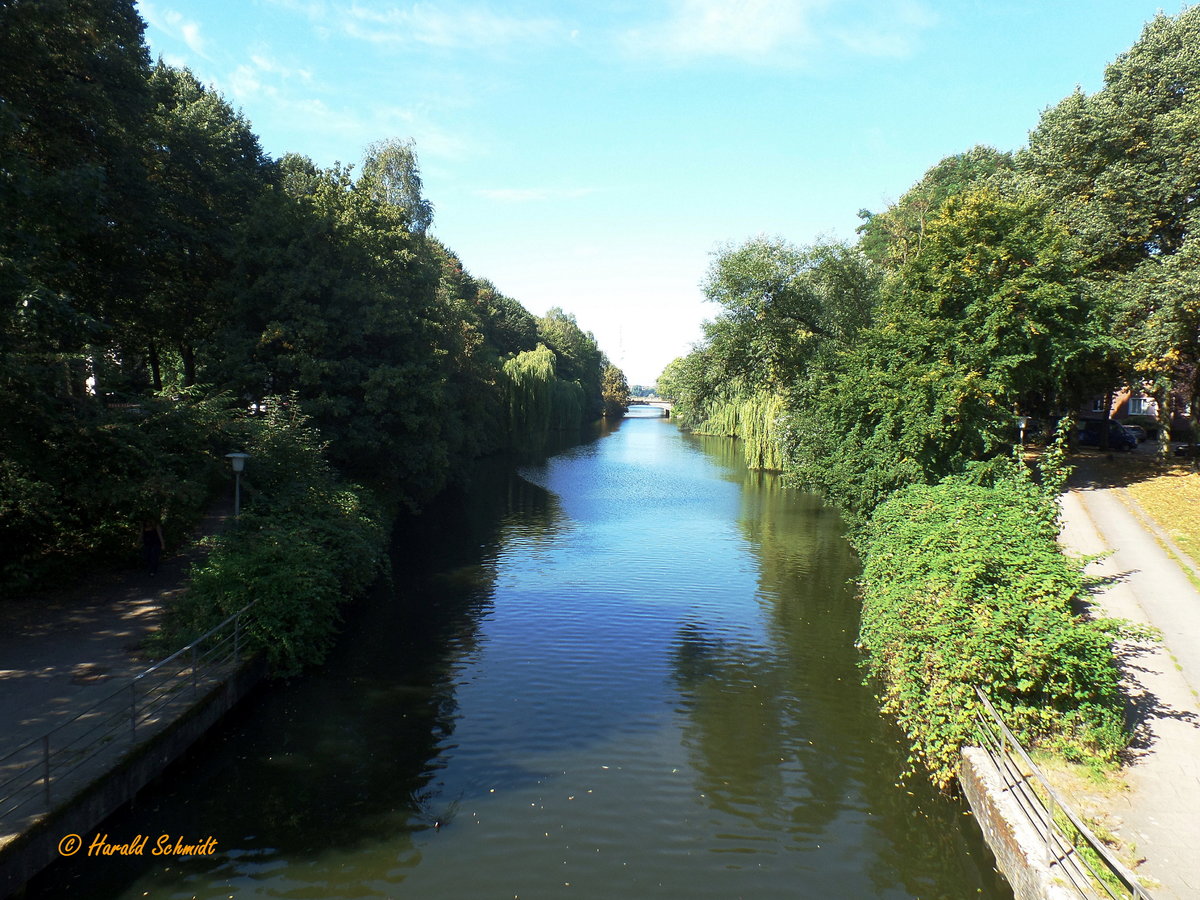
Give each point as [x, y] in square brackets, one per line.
[1021, 853]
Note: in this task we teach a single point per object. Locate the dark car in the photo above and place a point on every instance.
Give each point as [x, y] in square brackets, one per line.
[1137, 431]
[1118, 438]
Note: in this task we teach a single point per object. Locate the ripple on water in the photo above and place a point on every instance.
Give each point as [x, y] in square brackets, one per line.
[636, 679]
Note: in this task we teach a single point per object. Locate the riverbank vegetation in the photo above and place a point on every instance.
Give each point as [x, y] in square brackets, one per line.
[169, 293]
[888, 373]
[964, 585]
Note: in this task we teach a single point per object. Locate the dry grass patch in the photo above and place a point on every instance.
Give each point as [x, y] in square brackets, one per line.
[1096, 796]
[1172, 499]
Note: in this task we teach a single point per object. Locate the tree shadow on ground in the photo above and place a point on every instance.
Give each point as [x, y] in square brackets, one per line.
[1143, 707]
[1096, 469]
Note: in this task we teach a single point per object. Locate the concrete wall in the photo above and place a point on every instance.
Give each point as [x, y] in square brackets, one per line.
[1021, 853]
[37, 848]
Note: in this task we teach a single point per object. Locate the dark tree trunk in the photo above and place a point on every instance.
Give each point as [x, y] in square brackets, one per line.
[189, 364]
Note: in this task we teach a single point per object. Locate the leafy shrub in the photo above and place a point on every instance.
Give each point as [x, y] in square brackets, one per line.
[964, 585]
[306, 543]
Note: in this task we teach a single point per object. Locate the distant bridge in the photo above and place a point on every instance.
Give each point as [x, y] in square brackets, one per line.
[665, 405]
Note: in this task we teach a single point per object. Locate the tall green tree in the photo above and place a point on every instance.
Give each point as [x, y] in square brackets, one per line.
[780, 302]
[391, 174]
[206, 169]
[781, 306]
[1122, 168]
[614, 391]
[897, 235]
[990, 318]
[1121, 162]
[73, 198]
[1159, 308]
[336, 300]
[579, 357]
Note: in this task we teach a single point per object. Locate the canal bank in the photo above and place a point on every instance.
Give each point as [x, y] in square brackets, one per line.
[82, 725]
[626, 670]
[111, 777]
[1150, 813]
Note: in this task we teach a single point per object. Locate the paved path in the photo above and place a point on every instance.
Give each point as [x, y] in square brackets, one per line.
[1160, 816]
[62, 653]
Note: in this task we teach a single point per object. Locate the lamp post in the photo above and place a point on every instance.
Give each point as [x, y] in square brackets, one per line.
[238, 461]
[1022, 423]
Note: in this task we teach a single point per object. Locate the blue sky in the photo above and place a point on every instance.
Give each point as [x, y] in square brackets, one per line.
[594, 155]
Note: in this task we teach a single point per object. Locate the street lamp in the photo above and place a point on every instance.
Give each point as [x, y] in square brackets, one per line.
[238, 461]
[1022, 423]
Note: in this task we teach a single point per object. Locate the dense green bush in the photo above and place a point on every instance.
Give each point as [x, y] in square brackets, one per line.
[964, 585]
[305, 543]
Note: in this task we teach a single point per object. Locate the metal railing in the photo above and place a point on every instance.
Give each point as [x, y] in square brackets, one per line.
[45, 770]
[1086, 864]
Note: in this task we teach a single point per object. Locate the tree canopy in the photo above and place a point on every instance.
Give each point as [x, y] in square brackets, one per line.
[151, 253]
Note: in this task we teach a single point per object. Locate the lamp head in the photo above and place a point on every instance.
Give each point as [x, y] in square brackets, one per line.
[237, 460]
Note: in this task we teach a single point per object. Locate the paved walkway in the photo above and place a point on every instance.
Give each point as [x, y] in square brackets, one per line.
[1159, 818]
[63, 653]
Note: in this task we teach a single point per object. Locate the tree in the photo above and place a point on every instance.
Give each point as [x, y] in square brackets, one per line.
[579, 357]
[988, 318]
[614, 391]
[336, 301]
[73, 99]
[1120, 162]
[1001, 275]
[1159, 308]
[1120, 166]
[780, 302]
[391, 175]
[206, 169]
[896, 235]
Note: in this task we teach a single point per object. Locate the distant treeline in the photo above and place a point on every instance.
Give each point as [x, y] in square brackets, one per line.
[164, 286]
[888, 374]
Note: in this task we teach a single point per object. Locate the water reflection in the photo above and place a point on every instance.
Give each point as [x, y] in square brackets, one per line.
[783, 734]
[628, 669]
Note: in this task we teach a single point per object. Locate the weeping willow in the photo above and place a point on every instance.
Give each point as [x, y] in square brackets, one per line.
[755, 418]
[567, 407]
[537, 399]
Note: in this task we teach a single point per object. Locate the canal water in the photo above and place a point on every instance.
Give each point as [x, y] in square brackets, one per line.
[628, 671]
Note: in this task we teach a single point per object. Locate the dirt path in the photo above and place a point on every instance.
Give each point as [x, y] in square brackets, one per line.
[1159, 818]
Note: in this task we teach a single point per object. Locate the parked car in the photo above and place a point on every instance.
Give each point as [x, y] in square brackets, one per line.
[1118, 438]
[1138, 432]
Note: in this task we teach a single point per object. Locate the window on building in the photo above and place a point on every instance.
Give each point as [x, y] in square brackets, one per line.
[1098, 405]
[1141, 406]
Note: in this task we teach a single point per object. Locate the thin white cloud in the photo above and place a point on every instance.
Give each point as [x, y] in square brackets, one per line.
[782, 32]
[893, 30]
[173, 23]
[264, 76]
[533, 195]
[264, 63]
[317, 10]
[752, 30]
[445, 26]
